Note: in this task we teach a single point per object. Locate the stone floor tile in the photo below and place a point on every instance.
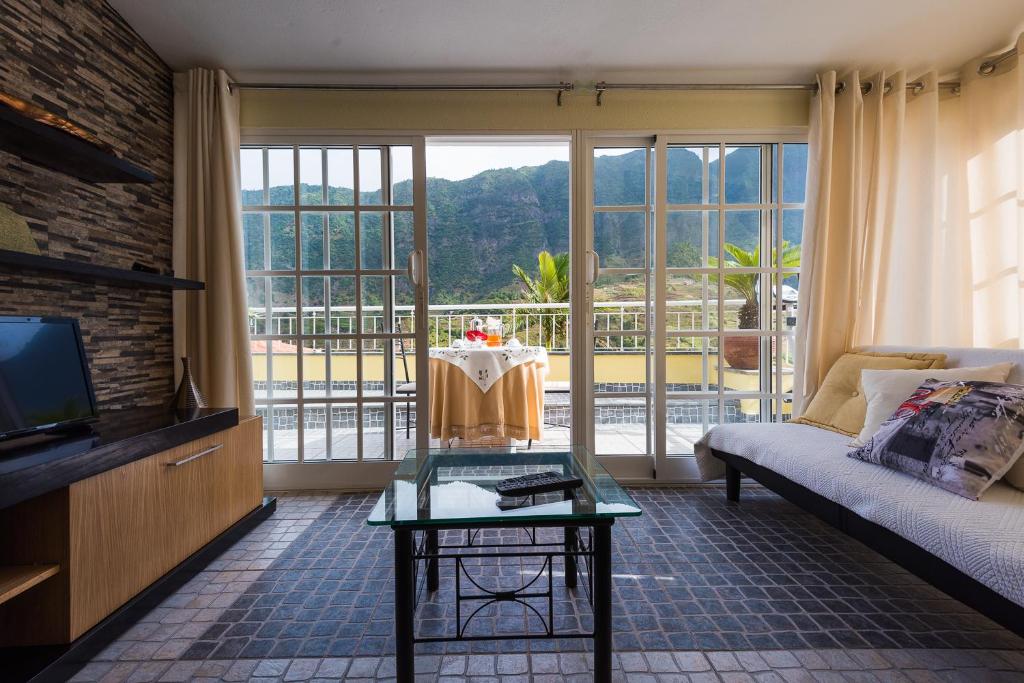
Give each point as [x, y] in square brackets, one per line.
[692, 661]
[180, 671]
[332, 667]
[363, 667]
[779, 659]
[480, 665]
[271, 667]
[631, 661]
[455, 665]
[240, 670]
[302, 669]
[752, 662]
[723, 661]
[573, 663]
[512, 664]
[661, 662]
[543, 663]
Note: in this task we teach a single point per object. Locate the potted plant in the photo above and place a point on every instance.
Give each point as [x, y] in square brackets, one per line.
[743, 353]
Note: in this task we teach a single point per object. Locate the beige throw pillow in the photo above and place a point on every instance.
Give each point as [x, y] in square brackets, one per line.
[839, 405]
[886, 390]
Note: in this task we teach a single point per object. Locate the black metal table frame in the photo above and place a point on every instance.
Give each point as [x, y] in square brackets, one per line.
[594, 551]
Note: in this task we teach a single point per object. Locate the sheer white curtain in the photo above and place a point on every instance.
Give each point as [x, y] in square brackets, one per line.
[914, 230]
[210, 327]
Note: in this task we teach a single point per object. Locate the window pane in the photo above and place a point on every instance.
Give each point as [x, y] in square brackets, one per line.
[794, 169]
[687, 421]
[313, 321]
[692, 303]
[369, 176]
[256, 291]
[311, 175]
[684, 238]
[742, 175]
[401, 175]
[685, 175]
[281, 162]
[283, 320]
[344, 419]
[373, 304]
[314, 437]
[620, 177]
[688, 367]
[342, 238]
[620, 239]
[285, 432]
[620, 426]
[343, 304]
[340, 176]
[402, 228]
[282, 241]
[313, 240]
[314, 370]
[283, 370]
[255, 252]
[374, 418]
[371, 241]
[620, 303]
[251, 170]
[743, 239]
[714, 174]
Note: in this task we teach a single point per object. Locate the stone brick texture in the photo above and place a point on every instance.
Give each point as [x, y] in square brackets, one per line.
[81, 60]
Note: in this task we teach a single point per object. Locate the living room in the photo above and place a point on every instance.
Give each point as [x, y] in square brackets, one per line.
[511, 341]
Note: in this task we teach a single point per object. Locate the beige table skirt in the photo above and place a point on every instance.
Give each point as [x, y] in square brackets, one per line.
[512, 408]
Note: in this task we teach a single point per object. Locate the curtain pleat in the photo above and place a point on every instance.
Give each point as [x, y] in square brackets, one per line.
[211, 326]
[914, 229]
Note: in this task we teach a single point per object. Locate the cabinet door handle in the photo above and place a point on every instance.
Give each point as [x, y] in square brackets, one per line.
[198, 455]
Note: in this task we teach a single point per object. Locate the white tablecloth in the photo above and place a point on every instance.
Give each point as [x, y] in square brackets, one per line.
[486, 365]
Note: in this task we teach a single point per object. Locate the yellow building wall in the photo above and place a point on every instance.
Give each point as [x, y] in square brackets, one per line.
[522, 111]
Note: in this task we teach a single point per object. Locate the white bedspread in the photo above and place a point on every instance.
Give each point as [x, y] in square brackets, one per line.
[984, 539]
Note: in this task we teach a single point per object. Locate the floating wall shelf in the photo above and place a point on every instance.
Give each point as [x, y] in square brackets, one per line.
[61, 151]
[138, 279]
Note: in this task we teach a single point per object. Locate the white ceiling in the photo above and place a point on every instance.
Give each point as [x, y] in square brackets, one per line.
[539, 40]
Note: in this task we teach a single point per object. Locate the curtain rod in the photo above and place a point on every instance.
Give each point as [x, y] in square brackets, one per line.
[558, 88]
[986, 68]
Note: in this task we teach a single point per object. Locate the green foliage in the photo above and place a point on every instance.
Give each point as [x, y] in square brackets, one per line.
[552, 283]
[745, 284]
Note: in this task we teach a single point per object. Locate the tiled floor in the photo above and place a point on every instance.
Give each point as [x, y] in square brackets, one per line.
[846, 614]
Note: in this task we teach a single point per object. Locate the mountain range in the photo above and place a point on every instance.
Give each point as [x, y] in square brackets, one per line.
[479, 226]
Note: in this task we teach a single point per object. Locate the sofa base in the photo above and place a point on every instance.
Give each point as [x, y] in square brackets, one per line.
[908, 555]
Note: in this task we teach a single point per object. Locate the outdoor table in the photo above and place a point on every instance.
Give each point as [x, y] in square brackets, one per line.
[451, 492]
[487, 392]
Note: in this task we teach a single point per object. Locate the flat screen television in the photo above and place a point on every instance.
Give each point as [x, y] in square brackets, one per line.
[44, 376]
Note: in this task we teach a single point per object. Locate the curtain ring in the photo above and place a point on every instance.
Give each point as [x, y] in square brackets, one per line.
[840, 87]
[917, 87]
[987, 68]
[887, 88]
[866, 88]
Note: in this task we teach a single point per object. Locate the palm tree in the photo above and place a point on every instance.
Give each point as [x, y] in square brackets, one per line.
[550, 287]
[552, 283]
[746, 283]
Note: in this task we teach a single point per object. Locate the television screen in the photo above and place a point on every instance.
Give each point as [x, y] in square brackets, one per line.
[44, 377]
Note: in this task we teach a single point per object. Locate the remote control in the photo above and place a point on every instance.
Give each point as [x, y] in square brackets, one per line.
[542, 482]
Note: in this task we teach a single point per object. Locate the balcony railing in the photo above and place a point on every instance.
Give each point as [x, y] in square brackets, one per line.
[546, 325]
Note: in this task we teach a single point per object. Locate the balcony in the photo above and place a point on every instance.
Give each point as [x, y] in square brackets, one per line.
[692, 365]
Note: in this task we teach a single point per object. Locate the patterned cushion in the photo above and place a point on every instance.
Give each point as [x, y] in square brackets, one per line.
[959, 436]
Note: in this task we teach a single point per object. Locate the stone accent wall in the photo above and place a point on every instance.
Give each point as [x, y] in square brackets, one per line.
[80, 59]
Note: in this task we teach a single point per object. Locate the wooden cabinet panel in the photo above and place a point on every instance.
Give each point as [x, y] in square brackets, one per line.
[131, 525]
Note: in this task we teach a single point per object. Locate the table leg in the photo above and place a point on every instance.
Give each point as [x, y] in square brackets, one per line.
[433, 571]
[405, 595]
[602, 603]
[571, 545]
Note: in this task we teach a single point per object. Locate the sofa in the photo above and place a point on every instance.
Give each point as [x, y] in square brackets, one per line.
[972, 550]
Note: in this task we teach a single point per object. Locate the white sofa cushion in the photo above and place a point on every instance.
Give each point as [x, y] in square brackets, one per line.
[984, 539]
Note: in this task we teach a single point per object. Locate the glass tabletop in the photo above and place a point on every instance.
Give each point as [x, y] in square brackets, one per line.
[453, 486]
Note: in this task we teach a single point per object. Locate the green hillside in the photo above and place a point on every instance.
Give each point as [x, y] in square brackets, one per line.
[478, 227]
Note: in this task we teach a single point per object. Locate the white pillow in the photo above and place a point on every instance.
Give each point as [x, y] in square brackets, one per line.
[886, 390]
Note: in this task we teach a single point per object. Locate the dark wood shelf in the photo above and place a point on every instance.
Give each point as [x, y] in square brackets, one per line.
[61, 151]
[137, 278]
[16, 579]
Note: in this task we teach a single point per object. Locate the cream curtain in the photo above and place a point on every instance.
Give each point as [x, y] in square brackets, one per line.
[914, 229]
[210, 327]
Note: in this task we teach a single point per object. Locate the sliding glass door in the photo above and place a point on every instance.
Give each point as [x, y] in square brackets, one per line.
[692, 272]
[335, 246]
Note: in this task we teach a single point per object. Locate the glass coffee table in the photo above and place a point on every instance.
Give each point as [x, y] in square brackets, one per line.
[452, 491]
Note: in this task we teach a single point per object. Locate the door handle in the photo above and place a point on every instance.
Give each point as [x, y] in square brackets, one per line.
[413, 267]
[198, 455]
[593, 268]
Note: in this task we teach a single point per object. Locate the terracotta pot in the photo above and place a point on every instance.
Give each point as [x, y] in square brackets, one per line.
[742, 353]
